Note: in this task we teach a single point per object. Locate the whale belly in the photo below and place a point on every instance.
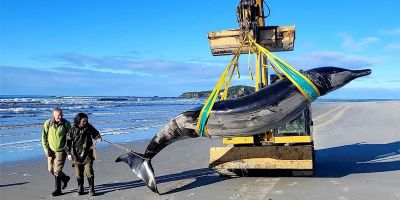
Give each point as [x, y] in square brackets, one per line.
[256, 120]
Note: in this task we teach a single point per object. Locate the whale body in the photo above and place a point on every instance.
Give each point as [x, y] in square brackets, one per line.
[266, 109]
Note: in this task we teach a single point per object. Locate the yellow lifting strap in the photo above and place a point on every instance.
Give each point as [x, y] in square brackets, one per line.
[303, 84]
[234, 67]
[207, 107]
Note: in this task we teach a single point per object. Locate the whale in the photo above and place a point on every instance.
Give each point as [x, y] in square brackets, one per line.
[266, 109]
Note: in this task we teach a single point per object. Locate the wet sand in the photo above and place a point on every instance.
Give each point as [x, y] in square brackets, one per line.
[357, 157]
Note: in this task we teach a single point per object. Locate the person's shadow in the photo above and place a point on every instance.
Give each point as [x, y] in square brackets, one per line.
[357, 158]
[13, 184]
[203, 176]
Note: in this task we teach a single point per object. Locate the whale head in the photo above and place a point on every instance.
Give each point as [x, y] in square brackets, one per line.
[328, 79]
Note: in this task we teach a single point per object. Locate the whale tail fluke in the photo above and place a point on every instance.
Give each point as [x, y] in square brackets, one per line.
[142, 167]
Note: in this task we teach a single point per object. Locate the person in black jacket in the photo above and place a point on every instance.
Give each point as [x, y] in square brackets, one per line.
[79, 147]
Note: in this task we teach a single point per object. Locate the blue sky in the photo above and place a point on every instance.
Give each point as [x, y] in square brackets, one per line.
[137, 48]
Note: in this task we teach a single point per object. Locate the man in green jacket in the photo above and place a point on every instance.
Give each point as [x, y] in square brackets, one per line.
[53, 142]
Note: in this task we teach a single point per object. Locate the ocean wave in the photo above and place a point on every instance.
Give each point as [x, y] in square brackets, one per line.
[121, 121]
[73, 103]
[17, 110]
[20, 142]
[116, 132]
[20, 109]
[113, 99]
[20, 100]
[148, 125]
[17, 134]
[20, 115]
[75, 97]
[6, 116]
[126, 117]
[130, 112]
[18, 126]
[107, 131]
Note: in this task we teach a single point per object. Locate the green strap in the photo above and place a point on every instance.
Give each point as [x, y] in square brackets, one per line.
[203, 118]
[312, 94]
[302, 83]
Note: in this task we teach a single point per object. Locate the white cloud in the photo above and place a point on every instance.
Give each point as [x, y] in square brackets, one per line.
[393, 47]
[83, 82]
[349, 43]
[156, 67]
[391, 32]
[328, 58]
[73, 81]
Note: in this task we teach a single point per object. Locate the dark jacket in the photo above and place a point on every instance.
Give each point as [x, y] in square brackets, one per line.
[79, 143]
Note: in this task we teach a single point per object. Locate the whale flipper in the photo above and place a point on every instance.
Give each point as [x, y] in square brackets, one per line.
[141, 167]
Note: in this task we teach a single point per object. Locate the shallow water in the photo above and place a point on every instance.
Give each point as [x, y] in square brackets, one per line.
[119, 119]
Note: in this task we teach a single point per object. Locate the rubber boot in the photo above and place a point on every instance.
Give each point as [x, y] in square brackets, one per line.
[81, 189]
[91, 186]
[64, 179]
[57, 191]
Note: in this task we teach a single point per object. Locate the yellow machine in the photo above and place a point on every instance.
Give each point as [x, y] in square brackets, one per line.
[289, 147]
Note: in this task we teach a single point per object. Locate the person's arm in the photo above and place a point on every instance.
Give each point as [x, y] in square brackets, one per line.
[95, 133]
[68, 144]
[45, 141]
[68, 126]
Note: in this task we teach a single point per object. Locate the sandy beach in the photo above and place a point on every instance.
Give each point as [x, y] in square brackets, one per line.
[357, 157]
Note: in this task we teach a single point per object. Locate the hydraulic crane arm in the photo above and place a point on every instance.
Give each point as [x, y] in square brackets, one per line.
[250, 15]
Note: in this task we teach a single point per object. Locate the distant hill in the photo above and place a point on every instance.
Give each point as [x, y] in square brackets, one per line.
[233, 92]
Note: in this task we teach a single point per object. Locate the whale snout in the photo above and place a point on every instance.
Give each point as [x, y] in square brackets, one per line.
[361, 73]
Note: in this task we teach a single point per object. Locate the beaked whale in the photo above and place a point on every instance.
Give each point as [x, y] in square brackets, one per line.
[266, 109]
